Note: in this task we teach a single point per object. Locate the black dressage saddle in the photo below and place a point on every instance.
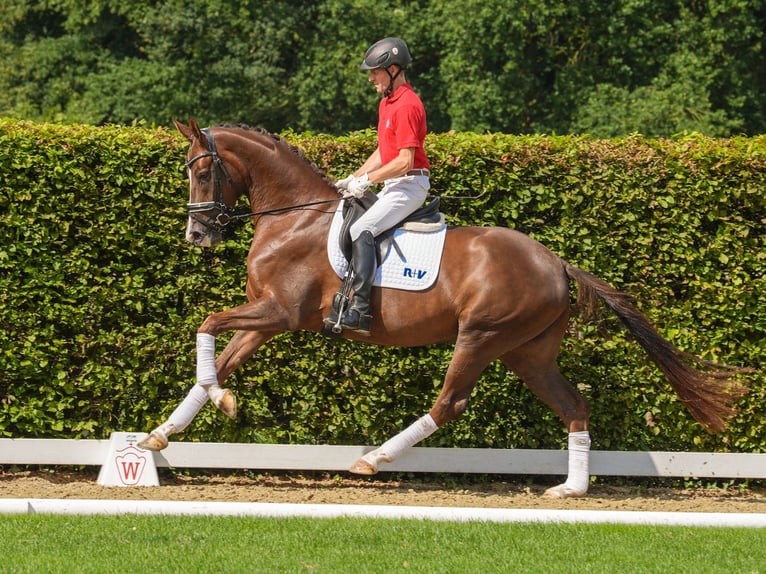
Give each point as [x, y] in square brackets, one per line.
[353, 209]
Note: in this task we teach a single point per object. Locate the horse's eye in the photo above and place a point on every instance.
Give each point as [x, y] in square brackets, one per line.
[203, 176]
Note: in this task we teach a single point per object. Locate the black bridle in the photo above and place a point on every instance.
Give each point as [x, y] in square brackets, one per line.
[227, 214]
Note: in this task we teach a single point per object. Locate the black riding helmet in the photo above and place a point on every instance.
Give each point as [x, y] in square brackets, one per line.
[384, 54]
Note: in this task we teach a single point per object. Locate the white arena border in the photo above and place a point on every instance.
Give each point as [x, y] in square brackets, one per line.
[84, 507]
[419, 459]
[265, 457]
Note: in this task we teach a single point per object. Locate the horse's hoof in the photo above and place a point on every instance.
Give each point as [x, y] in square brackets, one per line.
[225, 401]
[227, 404]
[361, 466]
[562, 491]
[154, 441]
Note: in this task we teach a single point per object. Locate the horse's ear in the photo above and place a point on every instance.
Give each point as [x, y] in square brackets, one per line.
[186, 131]
[192, 131]
[197, 133]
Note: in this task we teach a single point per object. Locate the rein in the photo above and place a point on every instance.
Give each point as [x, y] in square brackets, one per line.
[228, 214]
[283, 209]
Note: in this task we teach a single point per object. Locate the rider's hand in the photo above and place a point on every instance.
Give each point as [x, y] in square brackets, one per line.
[358, 185]
[343, 183]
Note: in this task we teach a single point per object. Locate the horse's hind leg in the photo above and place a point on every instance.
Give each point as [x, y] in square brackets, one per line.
[241, 346]
[535, 363]
[463, 373]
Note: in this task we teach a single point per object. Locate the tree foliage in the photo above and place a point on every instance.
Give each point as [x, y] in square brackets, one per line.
[512, 66]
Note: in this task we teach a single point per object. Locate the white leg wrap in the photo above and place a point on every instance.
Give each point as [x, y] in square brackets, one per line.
[206, 373]
[579, 453]
[185, 412]
[395, 446]
[207, 376]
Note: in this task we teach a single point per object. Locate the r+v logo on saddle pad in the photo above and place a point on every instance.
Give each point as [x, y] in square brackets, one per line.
[415, 273]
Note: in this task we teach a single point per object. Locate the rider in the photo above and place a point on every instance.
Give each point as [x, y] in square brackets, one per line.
[399, 162]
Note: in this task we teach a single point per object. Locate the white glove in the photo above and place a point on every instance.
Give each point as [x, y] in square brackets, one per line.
[343, 183]
[358, 185]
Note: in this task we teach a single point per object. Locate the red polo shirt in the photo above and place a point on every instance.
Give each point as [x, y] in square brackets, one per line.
[402, 124]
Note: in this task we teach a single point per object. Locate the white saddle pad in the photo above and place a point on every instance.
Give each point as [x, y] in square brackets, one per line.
[416, 272]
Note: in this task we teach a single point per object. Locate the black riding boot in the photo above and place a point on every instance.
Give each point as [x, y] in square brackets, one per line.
[364, 262]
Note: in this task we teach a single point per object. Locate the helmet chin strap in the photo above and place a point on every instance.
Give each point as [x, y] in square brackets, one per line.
[390, 89]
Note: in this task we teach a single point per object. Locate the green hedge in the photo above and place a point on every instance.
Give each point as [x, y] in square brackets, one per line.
[100, 296]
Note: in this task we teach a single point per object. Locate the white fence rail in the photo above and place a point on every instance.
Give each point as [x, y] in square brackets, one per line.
[238, 456]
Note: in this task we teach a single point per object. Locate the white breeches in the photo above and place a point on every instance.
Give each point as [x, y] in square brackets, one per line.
[399, 197]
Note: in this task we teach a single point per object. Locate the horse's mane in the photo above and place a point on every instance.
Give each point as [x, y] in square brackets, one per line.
[279, 140]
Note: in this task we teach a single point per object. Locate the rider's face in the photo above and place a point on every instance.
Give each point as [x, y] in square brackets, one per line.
[379, 78]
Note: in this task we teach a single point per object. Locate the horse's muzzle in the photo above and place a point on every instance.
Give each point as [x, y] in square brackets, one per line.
[202, 235]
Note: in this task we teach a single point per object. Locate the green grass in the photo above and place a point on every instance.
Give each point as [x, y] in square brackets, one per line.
[159, 544]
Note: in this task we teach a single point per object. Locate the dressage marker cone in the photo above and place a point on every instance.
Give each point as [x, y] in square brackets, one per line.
[126, 464]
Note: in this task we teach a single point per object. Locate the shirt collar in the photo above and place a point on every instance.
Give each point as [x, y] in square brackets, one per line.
[399, 91]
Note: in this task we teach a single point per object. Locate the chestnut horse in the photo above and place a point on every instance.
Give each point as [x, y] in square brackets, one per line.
[499, 295]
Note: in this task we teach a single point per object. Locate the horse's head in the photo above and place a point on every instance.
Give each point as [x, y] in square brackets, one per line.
[226, 162]
[211, 191]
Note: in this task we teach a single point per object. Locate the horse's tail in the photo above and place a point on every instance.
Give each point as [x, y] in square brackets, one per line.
[708, 394]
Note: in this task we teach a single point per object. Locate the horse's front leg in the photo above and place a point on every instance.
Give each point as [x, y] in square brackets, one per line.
[212, 372]
[241, 347]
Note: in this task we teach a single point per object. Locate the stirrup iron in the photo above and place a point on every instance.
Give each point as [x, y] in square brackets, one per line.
[340, 304]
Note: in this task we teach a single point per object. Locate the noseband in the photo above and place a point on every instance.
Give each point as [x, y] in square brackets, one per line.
[225, 213]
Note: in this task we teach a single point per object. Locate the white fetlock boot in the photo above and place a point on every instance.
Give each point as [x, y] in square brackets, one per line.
[578, 478]
[178, 420]
[390, 450]
[207, 376]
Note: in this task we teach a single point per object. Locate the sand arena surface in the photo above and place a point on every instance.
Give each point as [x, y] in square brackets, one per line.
[323, 488]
